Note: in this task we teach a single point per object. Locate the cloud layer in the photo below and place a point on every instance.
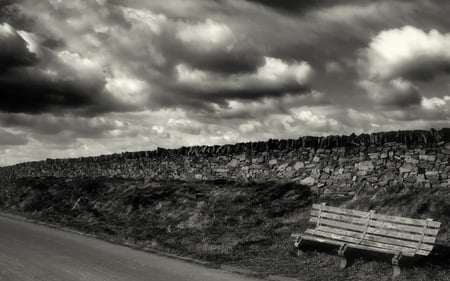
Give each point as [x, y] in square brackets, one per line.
[89, 77]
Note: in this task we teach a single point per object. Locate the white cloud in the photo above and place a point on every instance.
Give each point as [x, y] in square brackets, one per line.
[315, 121]
[32, 40]
[275, 70]
[407, 52]
[6, 30]
[146, 18]
[204, 34]
[436, 103]
[128, 90]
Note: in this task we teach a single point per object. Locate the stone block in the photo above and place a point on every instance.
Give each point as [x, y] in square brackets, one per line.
[361, 173]
[282, 167]
[411, 160]
[258, 160]
[365, 166]
[308, 181]
[427, 157]
[221, 171]
[374, 156]
[407, 167]
[233, 163]
[299, 165]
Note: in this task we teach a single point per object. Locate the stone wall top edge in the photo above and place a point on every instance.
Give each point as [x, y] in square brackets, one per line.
[425, 138]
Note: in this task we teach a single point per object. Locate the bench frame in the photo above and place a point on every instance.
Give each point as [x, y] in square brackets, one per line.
[370, 225]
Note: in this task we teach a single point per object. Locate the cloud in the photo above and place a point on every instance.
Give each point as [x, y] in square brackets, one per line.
[206, 45]
[293, 6]
[65, 128]
[333, 67]
[315, 121]
[14, 51]
[9, 138]
[36, 80]
[91, 77]
[393, 93]
[406, 52]
[274, 78]
[436, 103]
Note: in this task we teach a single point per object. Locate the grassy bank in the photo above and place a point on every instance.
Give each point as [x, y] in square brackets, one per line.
[247, 225]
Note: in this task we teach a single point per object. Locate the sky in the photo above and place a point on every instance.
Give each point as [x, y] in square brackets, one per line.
[91, 77]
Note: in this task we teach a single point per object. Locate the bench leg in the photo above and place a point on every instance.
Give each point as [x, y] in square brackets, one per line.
[343, 263]
[395, 265]
[297, 245]
[397, 271]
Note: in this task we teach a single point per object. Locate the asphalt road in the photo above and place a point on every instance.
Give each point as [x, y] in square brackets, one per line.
[30, 252]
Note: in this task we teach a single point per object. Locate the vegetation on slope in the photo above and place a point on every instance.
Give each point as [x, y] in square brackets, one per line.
[238, 224]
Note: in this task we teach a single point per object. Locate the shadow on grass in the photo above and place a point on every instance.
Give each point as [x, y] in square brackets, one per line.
[439, 257]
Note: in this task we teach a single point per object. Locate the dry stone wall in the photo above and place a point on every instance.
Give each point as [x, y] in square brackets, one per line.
[333, 165]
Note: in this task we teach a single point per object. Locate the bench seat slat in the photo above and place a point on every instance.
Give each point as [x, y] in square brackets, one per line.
[372, 230]
[354, 241]
[395, 219]
[362, 247]
[375, 238]
[418, 222]
[355, 213]
[377, 224]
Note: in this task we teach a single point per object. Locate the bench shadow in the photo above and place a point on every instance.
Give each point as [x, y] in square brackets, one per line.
[440, 255]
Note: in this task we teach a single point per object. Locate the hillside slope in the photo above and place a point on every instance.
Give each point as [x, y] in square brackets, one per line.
[224, 222]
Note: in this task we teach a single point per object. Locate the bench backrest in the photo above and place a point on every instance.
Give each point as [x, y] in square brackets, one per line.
[414, 236]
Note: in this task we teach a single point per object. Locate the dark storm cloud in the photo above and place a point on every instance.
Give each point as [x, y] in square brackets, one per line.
[203, 44]
[13, 51]
[293, 6]
[425, 69]
[29, 86]
[255, 92]
[28, 92]
[394, 93]
[9, 12]
[233, 61]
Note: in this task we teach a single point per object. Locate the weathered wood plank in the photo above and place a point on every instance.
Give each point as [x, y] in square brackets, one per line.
[373, 230]
[351, 245]
[362, 214]
[357, 241]
[375, 238]
[340, 217]
[377, 224]
[355, 213]
[417, 222]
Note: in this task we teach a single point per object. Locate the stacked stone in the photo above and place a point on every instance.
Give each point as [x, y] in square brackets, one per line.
[333, 165]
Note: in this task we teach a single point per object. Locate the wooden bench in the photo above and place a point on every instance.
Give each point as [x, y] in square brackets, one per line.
[370, 231]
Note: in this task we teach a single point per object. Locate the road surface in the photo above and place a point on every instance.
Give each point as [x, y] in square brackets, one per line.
[30, 252]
